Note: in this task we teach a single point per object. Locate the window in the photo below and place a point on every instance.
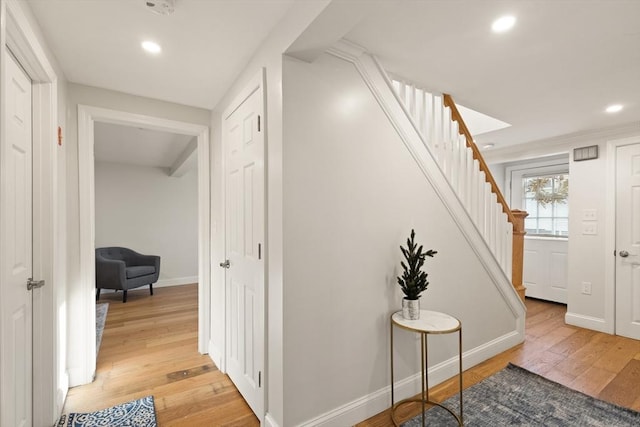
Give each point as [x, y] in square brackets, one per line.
[546, 199]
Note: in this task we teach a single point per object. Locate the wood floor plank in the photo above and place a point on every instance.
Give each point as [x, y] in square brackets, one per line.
[617, 357]
[624, 387]
[573, 343]
[592, 381]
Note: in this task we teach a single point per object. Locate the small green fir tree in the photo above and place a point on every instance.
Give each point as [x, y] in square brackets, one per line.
[413, 280]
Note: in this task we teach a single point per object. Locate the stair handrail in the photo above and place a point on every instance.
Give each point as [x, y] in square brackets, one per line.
[464, 130]
[515, 216]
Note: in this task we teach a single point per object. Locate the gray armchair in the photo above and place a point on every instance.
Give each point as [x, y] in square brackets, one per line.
[123, 269]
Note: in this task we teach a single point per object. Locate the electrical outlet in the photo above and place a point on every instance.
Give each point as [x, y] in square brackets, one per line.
[586, 288]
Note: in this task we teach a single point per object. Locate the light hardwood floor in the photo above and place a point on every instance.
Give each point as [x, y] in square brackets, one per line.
[150, 347]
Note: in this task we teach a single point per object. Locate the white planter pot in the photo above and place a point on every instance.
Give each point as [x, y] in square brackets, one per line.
[411, 309]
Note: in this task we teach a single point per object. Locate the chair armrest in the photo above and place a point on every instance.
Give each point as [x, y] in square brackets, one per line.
[110, 273]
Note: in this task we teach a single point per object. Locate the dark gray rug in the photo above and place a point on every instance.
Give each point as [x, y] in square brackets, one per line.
[517, 397]
[101, 318]
[137, 413]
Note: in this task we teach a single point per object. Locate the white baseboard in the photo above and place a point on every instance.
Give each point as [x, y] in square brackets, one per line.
[380, 400]
[176, 281]
[78, 377]
[216, 356]
[61, 393]
[165, 283]
[588, 322]
[269, 421]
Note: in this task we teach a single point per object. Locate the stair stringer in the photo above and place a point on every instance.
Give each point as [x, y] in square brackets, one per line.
[380, 86]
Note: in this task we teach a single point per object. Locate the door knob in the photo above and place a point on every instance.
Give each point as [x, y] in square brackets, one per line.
[33, 284]
[624, 254]
[225, 264]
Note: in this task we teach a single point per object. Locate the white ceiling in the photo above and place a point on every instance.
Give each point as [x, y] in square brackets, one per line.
[136, 146]
[205, 43]
[552, 75]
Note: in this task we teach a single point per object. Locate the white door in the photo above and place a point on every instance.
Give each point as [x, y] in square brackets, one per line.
[16, 246]
[244, 176]
[545, 263]
[628, 241]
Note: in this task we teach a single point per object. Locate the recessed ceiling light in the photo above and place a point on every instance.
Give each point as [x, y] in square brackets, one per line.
[487, 146]
[504, 23]
[161, 7]
[613, 108]
[151, 47]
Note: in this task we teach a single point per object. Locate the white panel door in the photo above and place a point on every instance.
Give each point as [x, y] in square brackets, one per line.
[628, 241]
[244, 173]
[545, 272]
[16, 246]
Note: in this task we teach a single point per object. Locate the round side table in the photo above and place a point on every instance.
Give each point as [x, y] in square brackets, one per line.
[430, 322]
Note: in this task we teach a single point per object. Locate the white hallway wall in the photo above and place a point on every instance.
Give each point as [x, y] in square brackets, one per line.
[587, 254]
[142, 208]
[352, 192]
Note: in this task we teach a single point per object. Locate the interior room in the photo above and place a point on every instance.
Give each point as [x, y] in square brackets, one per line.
[366, 213]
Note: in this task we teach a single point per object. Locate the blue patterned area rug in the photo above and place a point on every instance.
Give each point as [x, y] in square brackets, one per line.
[517, 397]
[101, 318]
[137, 413]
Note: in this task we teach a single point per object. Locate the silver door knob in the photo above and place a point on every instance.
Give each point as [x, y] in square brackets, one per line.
[34, 284]
[225, 264]
[624, 254]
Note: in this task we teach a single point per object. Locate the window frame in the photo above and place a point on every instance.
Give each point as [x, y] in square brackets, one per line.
[514, 176]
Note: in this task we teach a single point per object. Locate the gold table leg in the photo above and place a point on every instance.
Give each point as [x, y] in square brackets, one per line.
[424, 362]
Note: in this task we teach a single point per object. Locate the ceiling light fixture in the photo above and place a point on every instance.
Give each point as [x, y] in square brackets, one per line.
[151, 47]
[503, 24]
[488, 146]
[613, 108]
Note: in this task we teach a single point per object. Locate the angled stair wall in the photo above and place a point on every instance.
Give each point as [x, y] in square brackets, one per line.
[357, 176]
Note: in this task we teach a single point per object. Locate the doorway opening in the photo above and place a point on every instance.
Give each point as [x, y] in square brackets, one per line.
[146, 200]
[88, 118]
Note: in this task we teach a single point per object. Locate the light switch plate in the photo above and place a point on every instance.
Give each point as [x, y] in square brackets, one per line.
[589, 215]
[589, 227]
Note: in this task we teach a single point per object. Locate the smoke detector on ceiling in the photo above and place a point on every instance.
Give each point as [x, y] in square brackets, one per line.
[161, 7]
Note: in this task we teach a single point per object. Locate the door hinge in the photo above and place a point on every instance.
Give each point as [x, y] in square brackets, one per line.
[258, 123]
[259, 250]
[259, 378]
[614, 252]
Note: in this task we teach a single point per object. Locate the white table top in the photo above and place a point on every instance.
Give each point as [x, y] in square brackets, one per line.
[430, 322]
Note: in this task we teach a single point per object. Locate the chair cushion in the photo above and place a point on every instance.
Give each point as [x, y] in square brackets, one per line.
[140, 270]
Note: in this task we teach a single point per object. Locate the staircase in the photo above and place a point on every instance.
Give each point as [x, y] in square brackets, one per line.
[435, 134]
[444, 133]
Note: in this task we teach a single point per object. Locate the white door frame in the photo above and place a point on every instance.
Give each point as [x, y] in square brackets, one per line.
[610, 242]
[87, 116]
[49, 383]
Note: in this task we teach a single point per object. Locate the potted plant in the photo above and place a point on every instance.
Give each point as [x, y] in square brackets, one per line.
[413, 280]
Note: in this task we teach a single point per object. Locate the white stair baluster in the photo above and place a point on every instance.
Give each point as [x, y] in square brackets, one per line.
[449, 148]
